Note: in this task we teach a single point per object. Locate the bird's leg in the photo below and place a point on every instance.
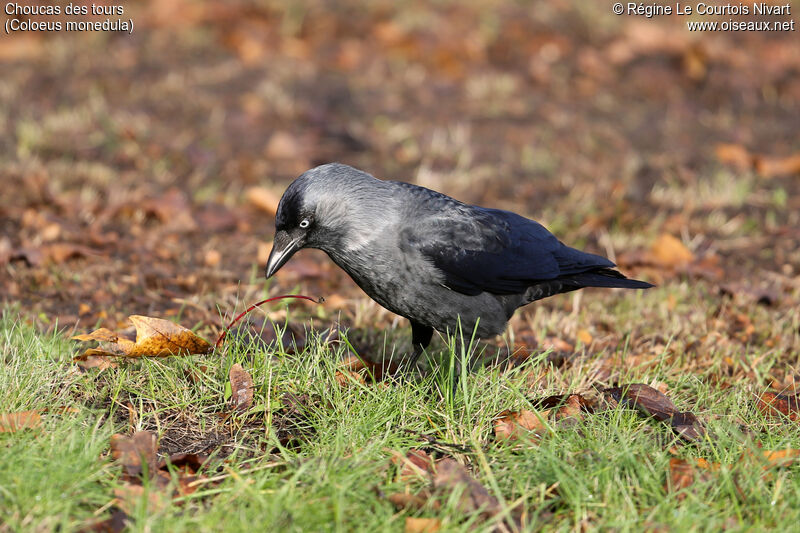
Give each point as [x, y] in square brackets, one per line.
[420, 339]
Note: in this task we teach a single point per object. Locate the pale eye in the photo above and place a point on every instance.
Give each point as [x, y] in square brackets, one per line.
[305, 223]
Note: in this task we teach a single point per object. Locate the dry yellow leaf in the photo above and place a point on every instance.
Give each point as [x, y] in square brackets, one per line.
[670, 252]
[12, 422]
[155, 337]
[735, 155]
[263, 199]
[422, 525]
[511, 425]
[769, 167]
[585, 337]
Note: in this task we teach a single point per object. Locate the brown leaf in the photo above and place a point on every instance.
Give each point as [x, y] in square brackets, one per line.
[128, 496]
[60, 252]
[263, 199]
[189, 462]
[241, 388]
[687, 426]
[13, 422]
[779, 458]
[414, 502]
[775, 405]
[670, 252]
[735, 155]
[363, 366]
[134, 452]
[31, 256]
[100, 362]
[767, 166]
[187, 465]
[656, 404]
[585, 337]
[422, 525]
[416, 464]
[212, 258]
[572, 408]
[346, 378]
[771, 167]
[558, 400]
[116, 523]
[512, 425]
[102, 335]
[682, 474]
[155, 337]
[451, 475]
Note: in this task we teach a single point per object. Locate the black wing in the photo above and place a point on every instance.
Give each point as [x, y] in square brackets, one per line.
[489, 250]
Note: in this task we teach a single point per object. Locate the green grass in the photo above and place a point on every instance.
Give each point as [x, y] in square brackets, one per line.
[607, 471]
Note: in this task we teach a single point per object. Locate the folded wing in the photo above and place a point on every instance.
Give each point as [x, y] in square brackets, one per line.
[489, 250]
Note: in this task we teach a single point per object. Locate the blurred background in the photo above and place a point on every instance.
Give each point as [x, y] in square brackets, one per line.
[140, 172]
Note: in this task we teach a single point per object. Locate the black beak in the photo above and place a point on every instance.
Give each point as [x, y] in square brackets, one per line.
[283, 247]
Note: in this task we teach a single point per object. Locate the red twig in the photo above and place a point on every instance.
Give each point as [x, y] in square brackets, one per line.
[235, 320]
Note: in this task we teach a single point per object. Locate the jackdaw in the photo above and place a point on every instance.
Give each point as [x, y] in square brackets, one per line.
[440, 263]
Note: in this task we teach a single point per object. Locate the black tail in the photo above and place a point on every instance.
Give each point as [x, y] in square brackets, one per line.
[602, 277]
[606, 277]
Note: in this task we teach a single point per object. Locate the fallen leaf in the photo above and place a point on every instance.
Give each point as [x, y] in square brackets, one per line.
[155, 337]
[263, 199]
[558, 400]
[775, 405]
[31, 256]
[212, 258]
[365, 367]
[451, 475]
[241, 388]
[174, 476]
[12, 422]
[735, 155]
[766, 166]
[346, 378]
[770, 167]
[683, 474]
[585, 337]
[62, 251]
[116, 523]
[779, 458]
[422, 525]
[128, 496]
[651, 402]
[416, 464]
[670, 252]
[414, 502]
[187, 465]
[512, 425]
[134, 452]
[100, 362]
[572, 408]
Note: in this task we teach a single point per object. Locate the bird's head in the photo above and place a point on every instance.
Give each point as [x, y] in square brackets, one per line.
[328, 208]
